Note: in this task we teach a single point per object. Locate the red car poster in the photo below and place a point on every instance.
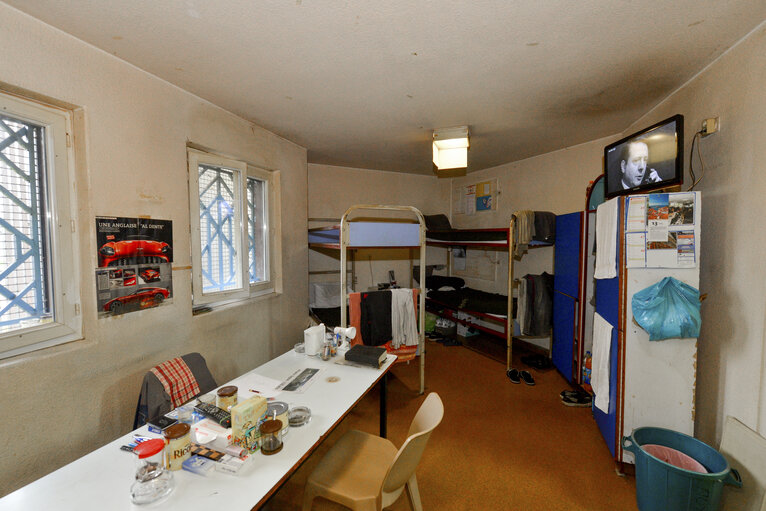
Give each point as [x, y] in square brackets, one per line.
[134, 264]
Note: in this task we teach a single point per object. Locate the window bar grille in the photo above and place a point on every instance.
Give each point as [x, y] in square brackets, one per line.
[21, 146]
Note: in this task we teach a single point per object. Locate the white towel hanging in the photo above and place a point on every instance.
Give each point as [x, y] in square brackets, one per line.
[606, 240]
[599, 378]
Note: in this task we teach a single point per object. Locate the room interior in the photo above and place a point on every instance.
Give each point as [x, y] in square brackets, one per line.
[136, 111]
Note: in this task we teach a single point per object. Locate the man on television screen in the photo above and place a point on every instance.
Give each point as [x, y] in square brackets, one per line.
[633, 159]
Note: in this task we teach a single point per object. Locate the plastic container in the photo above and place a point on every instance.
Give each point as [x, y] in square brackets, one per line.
[661, 486]
[153, 482]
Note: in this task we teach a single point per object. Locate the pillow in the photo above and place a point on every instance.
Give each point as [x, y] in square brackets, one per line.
[439, 281]
[437, 223]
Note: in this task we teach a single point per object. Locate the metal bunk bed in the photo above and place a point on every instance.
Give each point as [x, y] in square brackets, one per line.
[495, 238]
[356, 234]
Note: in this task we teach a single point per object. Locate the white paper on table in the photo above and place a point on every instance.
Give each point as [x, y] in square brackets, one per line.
[635, 249]
[636, 214]
[255, 383]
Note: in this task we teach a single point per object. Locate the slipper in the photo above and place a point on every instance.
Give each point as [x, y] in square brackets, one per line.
[573, 394]
[527, 377]
[579, 400]
[513, 375]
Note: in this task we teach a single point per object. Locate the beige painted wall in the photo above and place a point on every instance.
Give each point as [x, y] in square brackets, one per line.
[333, 189]
[62, 402]
[731, 377]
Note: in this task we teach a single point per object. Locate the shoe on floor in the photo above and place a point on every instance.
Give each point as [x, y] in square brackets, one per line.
[577, 400]
[573, 394]
[527, 377]
[513, 375]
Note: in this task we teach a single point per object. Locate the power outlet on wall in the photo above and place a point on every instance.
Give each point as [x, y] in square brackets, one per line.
[710, 126]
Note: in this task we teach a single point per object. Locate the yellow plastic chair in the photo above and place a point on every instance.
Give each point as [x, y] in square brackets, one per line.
[366, 472]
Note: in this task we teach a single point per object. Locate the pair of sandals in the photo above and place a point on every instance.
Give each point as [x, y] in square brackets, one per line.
[517, 376]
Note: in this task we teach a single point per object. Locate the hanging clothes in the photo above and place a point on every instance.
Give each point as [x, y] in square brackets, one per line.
[404, 329]
[376, 317]
[525, 229]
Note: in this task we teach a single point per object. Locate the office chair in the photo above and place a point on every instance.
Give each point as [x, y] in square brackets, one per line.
[167, 386]
[366, 472]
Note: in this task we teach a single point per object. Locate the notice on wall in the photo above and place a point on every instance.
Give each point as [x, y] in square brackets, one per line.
[475, 198]
[636, 220]
[470, 199]
[660, 231]
[657, 220]
[134, 264]
[635, 249]
[484, 196]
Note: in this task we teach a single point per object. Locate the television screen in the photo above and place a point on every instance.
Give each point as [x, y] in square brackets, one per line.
[649, 159]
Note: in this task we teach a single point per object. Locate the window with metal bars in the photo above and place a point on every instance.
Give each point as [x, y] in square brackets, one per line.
[230, 229]
[24, 285]
[39, 274]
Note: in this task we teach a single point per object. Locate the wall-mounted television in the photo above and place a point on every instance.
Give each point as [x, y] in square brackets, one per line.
[646, 160]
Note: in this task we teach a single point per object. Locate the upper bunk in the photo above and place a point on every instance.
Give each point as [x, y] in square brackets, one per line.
[363, 234]
[440, 233]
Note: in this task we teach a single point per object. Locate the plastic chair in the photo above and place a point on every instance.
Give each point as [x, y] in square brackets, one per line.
[366, 472]
[153, 401]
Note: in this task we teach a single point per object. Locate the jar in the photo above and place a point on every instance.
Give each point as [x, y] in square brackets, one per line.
[177, 445]
[278, 410]
[152, 482]
[226, 397]
[271, 436]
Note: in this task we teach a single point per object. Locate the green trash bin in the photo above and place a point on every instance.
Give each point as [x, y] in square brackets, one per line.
[661, 486]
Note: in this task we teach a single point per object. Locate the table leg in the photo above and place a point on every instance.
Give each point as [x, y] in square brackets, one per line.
[383, 401]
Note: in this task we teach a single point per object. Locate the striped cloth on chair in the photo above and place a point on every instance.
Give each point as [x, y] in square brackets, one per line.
[177, 380]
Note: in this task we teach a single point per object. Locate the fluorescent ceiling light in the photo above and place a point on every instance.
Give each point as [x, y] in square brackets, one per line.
[450, 148]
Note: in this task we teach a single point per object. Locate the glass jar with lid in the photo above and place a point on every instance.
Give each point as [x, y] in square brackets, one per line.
[152, 482]
[271, 436]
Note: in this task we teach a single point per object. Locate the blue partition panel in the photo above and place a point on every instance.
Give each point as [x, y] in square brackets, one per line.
[562, 350]
[566, 278]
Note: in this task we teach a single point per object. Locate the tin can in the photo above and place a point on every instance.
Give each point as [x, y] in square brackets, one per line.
[326, 351]
[278, 410]
[226, 397]
[177, 445]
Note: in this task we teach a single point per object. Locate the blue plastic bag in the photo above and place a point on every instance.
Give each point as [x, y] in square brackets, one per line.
[668, 309]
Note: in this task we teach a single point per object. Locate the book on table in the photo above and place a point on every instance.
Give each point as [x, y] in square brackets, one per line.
[372, 356]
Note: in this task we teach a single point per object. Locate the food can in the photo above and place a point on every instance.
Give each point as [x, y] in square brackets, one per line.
[226, 397]
[278, 410]
[326, 351]
[177, 445]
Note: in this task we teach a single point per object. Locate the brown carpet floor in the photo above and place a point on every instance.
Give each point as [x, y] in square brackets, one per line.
[500, 446]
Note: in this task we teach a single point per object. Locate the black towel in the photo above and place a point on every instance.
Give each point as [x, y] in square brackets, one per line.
[375, 321]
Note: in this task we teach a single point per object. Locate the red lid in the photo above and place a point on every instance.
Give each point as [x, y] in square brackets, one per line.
[149, 447]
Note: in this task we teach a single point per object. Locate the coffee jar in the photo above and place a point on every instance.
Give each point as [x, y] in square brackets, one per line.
[226, 397]
[177, 445]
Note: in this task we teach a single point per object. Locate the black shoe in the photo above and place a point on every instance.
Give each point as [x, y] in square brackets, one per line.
[513, 375]
[579, 400]
[527, 377]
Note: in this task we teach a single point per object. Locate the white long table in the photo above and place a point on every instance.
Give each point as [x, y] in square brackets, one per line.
[102, 479]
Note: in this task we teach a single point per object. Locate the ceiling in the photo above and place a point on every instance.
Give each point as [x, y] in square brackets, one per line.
[364, 83]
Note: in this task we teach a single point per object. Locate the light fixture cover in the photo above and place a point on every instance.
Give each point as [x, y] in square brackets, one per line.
[450, 148]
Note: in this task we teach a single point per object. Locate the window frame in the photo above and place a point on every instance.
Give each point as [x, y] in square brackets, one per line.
[63, 238]
[243, 171]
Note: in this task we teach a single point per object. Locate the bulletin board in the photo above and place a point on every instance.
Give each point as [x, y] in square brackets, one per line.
[475, 198]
